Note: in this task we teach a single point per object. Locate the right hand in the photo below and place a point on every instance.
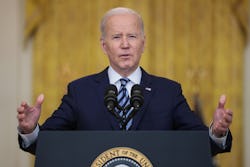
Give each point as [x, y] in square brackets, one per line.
[28, 116]
[222, 118]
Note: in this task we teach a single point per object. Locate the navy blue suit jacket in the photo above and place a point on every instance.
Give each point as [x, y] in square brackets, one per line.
[164, 108]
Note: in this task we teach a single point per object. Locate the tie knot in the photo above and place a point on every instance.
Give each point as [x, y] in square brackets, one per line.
[124, 81]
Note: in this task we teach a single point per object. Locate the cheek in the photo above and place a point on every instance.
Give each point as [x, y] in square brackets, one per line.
[139, 48]
[138, 57]
[112, 57]
[111, 49]
[142, 48]
[139, 52]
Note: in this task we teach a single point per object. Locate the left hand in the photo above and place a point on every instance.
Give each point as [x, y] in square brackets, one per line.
[222, 118]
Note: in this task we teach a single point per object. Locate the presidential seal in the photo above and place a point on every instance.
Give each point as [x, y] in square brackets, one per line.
[121, 157]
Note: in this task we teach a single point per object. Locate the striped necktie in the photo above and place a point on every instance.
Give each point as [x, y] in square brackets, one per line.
[123, 99]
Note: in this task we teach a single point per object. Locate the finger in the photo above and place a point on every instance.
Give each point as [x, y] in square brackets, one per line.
[220, 127]
[222, 101]
[229, 112]
[20, 109]
[228, 118]
[20, 116]
[39, 101]
[221, 130]
[225, 124]
[23, 109]
[25, 105]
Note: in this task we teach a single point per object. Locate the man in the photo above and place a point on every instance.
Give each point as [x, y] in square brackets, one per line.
[164, 107]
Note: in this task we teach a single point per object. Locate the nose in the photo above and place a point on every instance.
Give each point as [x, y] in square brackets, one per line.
[124, 42]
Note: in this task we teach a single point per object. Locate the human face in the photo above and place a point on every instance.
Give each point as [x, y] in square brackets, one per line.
[123, 42]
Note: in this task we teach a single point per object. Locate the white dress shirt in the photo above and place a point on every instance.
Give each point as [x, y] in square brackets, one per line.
[134, 78]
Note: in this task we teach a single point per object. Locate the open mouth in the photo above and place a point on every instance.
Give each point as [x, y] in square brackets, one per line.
[124, 55]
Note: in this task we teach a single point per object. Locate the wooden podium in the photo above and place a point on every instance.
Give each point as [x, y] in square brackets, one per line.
[123, 149]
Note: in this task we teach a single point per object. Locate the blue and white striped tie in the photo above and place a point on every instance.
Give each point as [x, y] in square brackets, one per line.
[123, 99]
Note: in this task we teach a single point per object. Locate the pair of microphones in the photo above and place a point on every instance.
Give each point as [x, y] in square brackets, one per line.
[111, 102]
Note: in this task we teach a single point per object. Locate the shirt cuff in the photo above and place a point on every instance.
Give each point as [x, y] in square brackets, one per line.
[220, 141]
[30, 138]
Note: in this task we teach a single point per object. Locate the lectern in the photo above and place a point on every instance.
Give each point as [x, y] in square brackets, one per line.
[123, 149]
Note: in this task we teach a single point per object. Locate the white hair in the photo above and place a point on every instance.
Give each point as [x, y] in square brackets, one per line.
[117, 11]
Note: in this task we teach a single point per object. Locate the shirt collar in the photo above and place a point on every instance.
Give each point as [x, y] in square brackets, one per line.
[135, 77]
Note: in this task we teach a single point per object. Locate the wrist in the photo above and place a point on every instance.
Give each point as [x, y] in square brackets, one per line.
[26, 130]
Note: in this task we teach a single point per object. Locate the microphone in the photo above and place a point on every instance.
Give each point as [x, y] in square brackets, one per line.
[137, 98]
[110, 97]
[136, 102]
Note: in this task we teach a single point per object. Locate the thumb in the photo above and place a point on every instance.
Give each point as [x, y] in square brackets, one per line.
[39, 101]
[222, 101]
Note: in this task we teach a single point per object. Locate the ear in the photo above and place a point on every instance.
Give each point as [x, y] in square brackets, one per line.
[103, 45]
[144, 43]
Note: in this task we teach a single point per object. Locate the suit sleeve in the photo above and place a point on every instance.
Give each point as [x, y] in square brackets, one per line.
[186, 119]
[64, 118]
[215, 149]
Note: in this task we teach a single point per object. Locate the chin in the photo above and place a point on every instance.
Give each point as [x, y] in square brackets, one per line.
[126, 67]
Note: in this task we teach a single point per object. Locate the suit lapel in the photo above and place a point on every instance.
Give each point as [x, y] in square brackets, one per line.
[102, 82]
[146, 85]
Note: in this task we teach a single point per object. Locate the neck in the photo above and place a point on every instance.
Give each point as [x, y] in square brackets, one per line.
[125, 72]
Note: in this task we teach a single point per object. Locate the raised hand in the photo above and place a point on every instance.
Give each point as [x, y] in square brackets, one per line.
[222, 118]
[28, 116]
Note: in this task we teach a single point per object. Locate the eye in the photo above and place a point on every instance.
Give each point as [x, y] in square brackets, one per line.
[132, 36]
[116, 37]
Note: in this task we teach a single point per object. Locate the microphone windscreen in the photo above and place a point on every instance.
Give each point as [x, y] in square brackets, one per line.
[137, 98]
[110, 97]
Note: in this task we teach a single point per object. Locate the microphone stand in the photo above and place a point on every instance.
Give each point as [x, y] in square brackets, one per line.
[131, 115]
[123, 117]
[124, 120]
[117, 116]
